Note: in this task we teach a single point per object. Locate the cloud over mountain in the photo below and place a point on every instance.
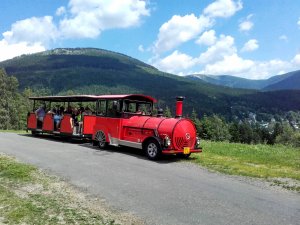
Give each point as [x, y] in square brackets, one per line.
[81, 19]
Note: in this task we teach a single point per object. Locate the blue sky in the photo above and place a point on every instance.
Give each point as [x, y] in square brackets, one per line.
[254, 39]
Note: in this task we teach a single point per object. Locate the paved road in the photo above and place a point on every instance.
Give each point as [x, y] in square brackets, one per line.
[165, 192]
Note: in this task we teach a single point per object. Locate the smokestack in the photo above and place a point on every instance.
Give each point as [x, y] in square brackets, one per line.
[179, 102]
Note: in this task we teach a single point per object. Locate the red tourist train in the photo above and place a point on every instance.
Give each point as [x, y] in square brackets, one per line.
[118, 120]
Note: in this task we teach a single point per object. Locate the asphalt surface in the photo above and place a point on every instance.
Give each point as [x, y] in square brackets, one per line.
[164, 192]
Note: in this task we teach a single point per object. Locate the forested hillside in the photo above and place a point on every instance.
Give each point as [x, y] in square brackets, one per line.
[97, 71]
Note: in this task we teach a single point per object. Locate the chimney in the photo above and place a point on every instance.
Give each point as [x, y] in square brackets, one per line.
[160, 112]
[179, 102]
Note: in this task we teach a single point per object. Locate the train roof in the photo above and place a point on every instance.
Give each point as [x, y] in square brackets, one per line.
[91, 98]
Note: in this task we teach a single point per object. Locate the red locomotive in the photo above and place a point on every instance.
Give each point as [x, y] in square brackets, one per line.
[119, 120]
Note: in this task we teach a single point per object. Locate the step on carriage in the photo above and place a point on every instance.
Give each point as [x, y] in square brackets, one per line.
[118, 120]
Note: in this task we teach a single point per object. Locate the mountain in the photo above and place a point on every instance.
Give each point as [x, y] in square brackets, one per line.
[98, 71]
[288, 81]
[229, 81]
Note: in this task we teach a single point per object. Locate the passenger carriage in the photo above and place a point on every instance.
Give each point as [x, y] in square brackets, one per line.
[122, 120]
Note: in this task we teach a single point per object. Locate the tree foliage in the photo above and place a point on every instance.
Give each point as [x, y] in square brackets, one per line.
[215, 128]
[13, 105]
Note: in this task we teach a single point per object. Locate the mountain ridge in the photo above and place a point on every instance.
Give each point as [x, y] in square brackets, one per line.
[288, 81]
[99, 71]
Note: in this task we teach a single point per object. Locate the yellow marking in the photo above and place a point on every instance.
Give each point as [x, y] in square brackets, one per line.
[186, 150]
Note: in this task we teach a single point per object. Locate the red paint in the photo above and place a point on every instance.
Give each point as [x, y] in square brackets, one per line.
[88, 124]
[65, 125]
[179, 103]
[31, 121]
[48, 123]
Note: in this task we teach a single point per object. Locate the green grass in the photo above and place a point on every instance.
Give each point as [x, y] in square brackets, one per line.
[28, 196]
[12, 171]
[14, 131]
[263, 161]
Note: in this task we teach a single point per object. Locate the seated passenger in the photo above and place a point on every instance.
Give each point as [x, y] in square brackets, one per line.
[140, 111]
[73, 121]
[87, 111]
[52, 111]
[61, 110]
[79, 118]
[57, 118]
[40, 114]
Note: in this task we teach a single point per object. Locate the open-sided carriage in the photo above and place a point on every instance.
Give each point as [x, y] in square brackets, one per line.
[118, 120]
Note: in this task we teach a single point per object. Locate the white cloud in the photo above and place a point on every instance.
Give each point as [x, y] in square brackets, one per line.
[250, 46]
[223, 47]
[179, 29]
[82, 19]
[28, 36]
[175, 62]
[231, 65]
[283, 38]
[9, 51]
[207, 38]
[32, 30]
[60, 11]
[266, 69]
[237, 66]
[298, 22]
[89, 17]
[296, 60]
[222, 58]
[223, 8]
[246, 24]
[141, 48]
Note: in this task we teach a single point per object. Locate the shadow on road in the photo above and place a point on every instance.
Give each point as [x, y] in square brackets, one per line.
[111, 149]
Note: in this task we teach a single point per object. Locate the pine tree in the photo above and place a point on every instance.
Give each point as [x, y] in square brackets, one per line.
[167, 112]
[196, 121]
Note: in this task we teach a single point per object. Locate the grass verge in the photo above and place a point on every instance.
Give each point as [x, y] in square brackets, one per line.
[262, 161]
[28, 196]
[14, 131]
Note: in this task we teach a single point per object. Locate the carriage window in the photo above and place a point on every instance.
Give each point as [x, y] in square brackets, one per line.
[143, 108]
[101, 108]
[113, 108]
[132, 107]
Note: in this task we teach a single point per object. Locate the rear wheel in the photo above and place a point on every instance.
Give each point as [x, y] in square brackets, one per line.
[101, 139]
[152, 149]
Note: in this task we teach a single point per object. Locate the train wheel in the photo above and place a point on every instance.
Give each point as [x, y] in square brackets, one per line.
[153, 149]
[100, 137]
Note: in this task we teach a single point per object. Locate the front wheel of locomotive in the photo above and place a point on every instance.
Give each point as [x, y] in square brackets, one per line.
[152, 149]
[101, 139]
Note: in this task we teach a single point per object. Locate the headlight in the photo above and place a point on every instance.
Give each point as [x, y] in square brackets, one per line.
[197, 141]
[167, 141]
